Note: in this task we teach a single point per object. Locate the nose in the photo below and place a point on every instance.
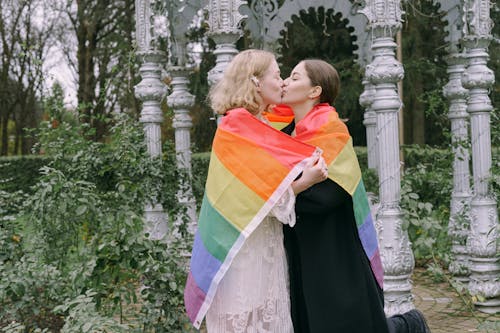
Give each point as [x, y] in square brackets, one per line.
[285, 82]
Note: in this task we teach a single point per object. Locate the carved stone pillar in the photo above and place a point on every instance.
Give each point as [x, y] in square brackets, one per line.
[150, 91]
[482, 242]
[224, 20]
[370, 122]
[384, 19]
[459, 224]
[181, 100]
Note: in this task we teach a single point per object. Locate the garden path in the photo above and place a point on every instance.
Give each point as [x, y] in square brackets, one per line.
[444, 309]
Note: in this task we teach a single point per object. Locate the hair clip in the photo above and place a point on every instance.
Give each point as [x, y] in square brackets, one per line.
[255, 80]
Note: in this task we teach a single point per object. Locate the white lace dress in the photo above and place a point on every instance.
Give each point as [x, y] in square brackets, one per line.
[253, 296]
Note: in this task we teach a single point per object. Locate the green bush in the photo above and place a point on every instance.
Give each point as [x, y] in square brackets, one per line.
[19, 173]
[74, 255]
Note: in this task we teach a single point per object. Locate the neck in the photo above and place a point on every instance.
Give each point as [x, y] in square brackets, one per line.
[301, 110]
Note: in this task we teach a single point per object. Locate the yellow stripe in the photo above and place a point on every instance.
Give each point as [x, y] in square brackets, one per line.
[343, 171]
[230, 197]
[278, 125]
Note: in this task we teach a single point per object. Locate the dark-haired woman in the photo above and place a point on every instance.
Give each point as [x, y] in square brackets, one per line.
[336, 274]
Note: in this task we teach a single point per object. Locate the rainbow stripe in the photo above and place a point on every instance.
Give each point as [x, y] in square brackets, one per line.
[251, 166]
[280, 116]
[322, 128]
[278, 121]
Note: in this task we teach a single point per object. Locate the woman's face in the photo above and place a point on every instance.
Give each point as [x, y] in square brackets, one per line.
[297, 87]
[270, 85]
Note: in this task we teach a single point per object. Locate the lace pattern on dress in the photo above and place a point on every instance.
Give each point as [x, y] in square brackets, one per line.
[284, 210]
[253, 296]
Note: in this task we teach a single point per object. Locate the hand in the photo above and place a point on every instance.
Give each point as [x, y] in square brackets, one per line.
[315, 172]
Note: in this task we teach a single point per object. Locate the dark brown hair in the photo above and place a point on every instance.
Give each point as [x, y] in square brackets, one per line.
[324, 75]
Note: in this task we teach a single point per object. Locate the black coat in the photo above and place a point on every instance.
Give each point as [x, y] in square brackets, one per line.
[332, 287]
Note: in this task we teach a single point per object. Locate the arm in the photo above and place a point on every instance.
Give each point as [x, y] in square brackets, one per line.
[314, 172]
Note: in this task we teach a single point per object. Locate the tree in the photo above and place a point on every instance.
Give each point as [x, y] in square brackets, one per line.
[423, 48]
[106, 72]
[25, 42]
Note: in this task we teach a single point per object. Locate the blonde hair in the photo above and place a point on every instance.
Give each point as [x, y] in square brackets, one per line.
[238, 87]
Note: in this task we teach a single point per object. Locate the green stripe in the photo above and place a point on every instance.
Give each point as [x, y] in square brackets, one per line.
[217, 233]
[360, 202]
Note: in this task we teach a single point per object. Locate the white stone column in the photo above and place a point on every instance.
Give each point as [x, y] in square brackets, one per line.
[370, 122]
[150, 91]
[181, 100]
[384, 19]
[459, 223]
[482, 242]
[224, 22]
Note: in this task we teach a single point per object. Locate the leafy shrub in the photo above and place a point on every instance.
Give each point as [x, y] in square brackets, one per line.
[75, 257]
[19, 173]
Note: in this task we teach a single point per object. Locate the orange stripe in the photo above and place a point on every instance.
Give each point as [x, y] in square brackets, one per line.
[330, 136]
[278, 118]
[254, 166]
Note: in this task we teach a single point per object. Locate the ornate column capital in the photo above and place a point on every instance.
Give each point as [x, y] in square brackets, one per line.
[224, 22]
[477, 21]
[384, 16]
[224, 17]
[152, 25]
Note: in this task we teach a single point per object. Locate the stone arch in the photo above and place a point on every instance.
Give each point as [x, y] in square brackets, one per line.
[266, 19]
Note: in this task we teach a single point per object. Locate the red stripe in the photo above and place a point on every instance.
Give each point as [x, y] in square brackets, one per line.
[265, 136]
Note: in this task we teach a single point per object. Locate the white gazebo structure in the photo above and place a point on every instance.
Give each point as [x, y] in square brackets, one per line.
[473, 225]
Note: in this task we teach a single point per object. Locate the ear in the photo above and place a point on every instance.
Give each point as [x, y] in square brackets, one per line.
[315, 92]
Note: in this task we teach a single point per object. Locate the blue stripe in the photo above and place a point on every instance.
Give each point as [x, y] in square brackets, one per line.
[368, 236]
[204, 266]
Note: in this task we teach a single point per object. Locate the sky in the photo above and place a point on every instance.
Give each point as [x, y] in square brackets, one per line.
[57, 69]
[56, 66]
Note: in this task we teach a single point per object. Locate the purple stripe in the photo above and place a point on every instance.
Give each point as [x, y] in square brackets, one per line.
[204, 266]
[368, 236]
[193, 298]
[377, 268]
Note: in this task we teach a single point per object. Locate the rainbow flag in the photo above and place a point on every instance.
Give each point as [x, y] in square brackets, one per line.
[322, 128]
[251, 166]
[280, 116]
[277, 121]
